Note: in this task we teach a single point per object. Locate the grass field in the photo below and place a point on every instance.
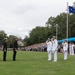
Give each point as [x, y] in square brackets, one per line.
[35, 63]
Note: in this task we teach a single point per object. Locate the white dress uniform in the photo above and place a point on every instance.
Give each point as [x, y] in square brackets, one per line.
[55, 49]
[72, 49]
[65, 48]
[49, 49]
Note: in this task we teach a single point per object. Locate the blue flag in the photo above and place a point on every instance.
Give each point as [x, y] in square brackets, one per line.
[71, 9]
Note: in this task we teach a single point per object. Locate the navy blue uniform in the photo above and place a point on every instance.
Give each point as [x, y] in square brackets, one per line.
[15, 47]
[4, 50]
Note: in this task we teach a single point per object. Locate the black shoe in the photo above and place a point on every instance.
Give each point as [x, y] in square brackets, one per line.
[4, 60]
[14, 60]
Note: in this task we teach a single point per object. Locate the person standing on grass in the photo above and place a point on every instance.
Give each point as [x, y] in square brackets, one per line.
[54, 47]
[15, 48]
[65, 49]
[49, 48]
[72, 48]
[4, 45]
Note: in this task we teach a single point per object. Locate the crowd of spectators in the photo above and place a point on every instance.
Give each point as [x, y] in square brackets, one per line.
[37, 47]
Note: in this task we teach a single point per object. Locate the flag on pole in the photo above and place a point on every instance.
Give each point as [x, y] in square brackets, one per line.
[71, 9]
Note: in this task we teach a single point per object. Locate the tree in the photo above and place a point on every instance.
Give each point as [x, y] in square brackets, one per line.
[11, 40]
[72, 25]
[40, 34]
[26, 41]
[61, 21]
[2, 36]
[37, 35]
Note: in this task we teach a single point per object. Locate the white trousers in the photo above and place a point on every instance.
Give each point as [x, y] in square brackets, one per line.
[55, 56]
[65, 55]
[71, 52]
[49, 55]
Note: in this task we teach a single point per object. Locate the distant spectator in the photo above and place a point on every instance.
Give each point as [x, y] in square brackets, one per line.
[65, 49]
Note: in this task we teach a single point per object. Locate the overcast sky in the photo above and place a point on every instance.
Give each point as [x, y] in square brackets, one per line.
[19, 17]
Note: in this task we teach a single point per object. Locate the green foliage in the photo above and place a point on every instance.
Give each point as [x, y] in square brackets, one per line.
[72, 25]
[11, 40]
[61, 20]
[27, 41]
[2, 36]
[38, 35]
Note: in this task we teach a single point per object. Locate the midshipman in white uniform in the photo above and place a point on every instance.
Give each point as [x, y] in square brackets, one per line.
[72, 48]
[65, 49]
[54, 47]
[49, 48]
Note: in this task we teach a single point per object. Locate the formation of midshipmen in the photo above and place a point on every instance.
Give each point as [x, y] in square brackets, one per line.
[52, 47]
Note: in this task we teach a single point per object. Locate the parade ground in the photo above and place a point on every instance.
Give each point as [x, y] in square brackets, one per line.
[36, 63]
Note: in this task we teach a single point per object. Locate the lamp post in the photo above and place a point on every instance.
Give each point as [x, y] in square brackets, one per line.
[56, 30]
[67, 22]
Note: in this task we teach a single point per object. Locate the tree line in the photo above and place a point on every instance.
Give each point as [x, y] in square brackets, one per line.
[39, 34]
[10, 38]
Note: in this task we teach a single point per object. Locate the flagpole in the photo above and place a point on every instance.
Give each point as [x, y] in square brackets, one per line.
[67, 23]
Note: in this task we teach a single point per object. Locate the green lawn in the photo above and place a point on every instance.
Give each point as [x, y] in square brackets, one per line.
[35, 63]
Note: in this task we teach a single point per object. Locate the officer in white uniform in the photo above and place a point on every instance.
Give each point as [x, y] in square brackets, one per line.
[65, 49]
[72, 48]
[49, 48]
[54, 47]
